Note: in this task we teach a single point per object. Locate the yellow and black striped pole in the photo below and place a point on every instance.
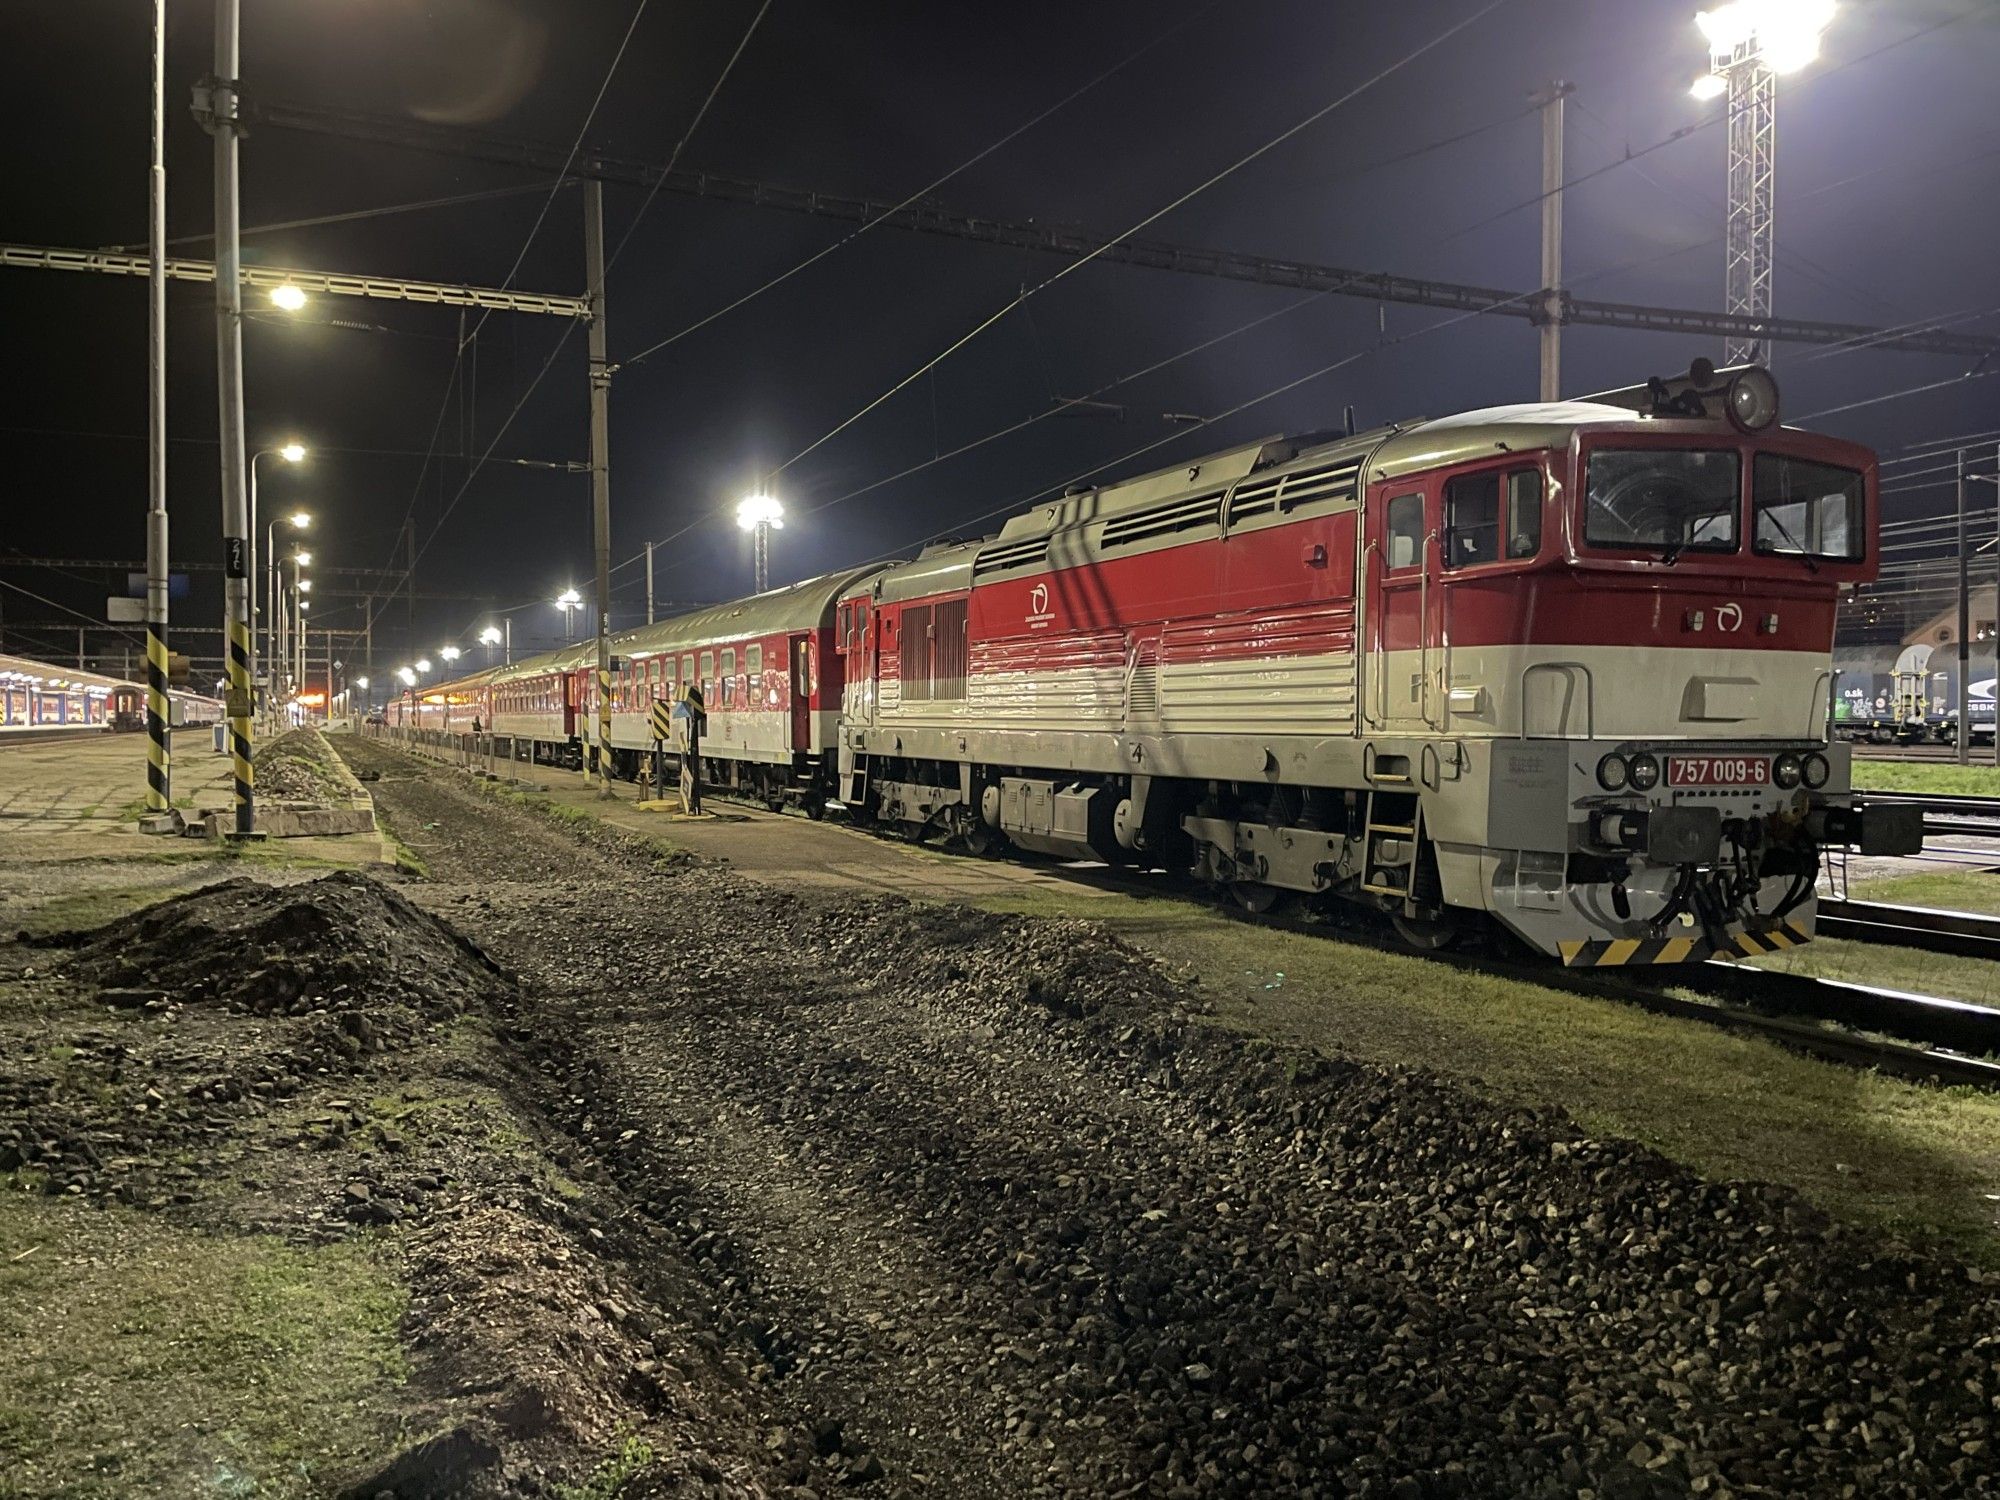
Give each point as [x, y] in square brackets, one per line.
[603, 724]
[159, 752]
[239, 725]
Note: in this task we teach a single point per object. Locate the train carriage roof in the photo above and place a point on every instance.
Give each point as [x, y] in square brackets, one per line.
[805, 605]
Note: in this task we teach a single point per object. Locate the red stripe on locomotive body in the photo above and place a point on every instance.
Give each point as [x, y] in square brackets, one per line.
[1268, 581]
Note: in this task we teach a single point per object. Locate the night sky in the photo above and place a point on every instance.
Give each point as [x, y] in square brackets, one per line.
[1889, 170]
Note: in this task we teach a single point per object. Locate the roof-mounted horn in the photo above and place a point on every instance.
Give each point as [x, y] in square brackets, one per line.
[1745, 395]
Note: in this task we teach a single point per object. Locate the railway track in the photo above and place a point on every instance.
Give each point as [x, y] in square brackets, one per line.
[1925, 1038]
[1967, 934]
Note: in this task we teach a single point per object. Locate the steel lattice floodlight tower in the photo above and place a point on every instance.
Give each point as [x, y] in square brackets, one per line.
[760, 515]
[1752, 42]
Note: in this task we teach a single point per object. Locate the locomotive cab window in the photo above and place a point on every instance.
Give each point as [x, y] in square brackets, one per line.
[1472, 520]
[1664, 500]
[1805, 509]
[1524, 512]
[1405, 532]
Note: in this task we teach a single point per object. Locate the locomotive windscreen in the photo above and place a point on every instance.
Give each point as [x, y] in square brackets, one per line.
[1667, 500]
[1806, 509]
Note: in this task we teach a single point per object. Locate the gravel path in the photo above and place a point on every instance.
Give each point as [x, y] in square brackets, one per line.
[978, 1205]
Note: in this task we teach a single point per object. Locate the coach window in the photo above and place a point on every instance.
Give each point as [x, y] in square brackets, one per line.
[706, 682]
[1472, 520]
[753, 663]
[1524, 512]
[1405, 531]
[728, 676]
[687, 672]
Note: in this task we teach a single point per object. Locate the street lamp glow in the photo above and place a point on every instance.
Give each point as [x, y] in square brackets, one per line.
[292, 453]
[760, 510]
[301, 519]
[304, 605]
[305, 585]
[303, 559]
[362, 683]
[409, 678]
[569, 599]
[423, 664]
[1785, 33]
[1709, 86]
[287, 298]
[490, 636]
[449, 653]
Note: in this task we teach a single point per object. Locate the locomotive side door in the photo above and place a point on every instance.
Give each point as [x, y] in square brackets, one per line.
[1399, 627]
[802, 686]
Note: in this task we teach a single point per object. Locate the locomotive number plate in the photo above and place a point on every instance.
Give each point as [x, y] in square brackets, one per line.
[1718, 770]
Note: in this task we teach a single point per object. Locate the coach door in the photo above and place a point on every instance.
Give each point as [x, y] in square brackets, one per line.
[801, 694]
[1399, 625]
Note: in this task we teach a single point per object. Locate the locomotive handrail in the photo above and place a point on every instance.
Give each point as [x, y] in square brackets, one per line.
[1424, 629]
[1589, 698]
[1377, 678]
[1816, 724]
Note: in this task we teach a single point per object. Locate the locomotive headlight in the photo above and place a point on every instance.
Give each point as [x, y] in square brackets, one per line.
[1645, 771]
[1815, 768]
[1786, 770]
[1611, 773]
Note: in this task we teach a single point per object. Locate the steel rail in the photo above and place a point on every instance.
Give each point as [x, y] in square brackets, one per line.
[1968, 934]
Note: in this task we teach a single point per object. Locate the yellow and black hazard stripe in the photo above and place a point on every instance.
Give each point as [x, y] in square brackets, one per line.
[663, 719]
[604, 723]
[1787, 934]
[239, 725]
[1605, 953]
[159, 754]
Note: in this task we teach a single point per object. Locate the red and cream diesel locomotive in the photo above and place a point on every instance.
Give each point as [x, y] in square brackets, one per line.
[1565, 667]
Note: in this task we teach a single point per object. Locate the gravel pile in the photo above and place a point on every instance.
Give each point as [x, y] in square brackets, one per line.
[981, 1206]
[299, 766]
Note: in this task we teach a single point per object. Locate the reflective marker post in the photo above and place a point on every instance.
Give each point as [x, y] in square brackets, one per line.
[159, 719]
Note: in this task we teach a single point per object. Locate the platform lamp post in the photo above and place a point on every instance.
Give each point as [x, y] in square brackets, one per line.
[299, 520]
[569, 601]
[501, 635]
[760, 515]
[291, 453]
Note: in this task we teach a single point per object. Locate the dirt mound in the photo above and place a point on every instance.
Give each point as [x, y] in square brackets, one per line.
[322, 944]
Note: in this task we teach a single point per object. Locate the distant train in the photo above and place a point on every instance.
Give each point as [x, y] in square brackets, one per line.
[1566, 668]
[1909, 695]
[125, 710]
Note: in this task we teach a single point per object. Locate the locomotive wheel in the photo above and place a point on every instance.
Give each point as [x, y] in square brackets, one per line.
[1426, 934]
[814, 805]
[1253, 897]
[978, 838]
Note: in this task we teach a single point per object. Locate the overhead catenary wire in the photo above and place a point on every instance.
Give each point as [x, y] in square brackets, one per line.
[1151, 218]
[452, 504]
[914, 198]
[1069, 403]
[458, 357]
[1913, 390]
